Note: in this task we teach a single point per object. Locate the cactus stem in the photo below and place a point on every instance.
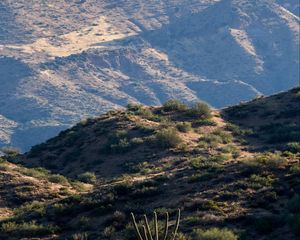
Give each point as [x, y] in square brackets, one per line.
[166, 226]
[138, 234]
[148, 227]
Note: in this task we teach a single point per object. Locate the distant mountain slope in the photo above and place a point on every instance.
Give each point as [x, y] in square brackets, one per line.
[234, 169]
[66, 60]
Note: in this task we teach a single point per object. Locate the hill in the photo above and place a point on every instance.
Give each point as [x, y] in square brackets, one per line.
[65, 60]
[233, 172]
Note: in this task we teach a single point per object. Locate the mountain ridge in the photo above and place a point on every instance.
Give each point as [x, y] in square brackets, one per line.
[107, 54]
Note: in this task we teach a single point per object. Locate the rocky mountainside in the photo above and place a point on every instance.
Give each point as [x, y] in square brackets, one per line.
[65, 60]
[233, 173]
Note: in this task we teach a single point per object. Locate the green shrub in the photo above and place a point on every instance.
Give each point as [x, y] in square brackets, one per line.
[118, 142]
[196, 163]
[293, 147]
[204, 122]
[219, 158]
[213, 234]
[136, 141]
[122, 146]
[184, 127]
[167, 138]
[40, 173]
[225, 136]
[56, 178]
[10, 152]
[258, 181]
[174, 105]
[212, 140]
[35, 208]
[133, 107]
[268, 159]
[237, 131]
[108, 232]
[87, 177]
[79, 236]
[201, 163]
[28, 229]
[4, 167]
[200, 110]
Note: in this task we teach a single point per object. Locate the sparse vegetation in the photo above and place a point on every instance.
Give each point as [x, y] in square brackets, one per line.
[174, 105]
[200, 110]
[167, 138]
[230, 181]
[88, 177]
[213, 234]
[184, 127]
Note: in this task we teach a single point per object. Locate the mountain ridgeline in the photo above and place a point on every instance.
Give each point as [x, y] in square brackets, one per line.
[234, 174]
[61, 61]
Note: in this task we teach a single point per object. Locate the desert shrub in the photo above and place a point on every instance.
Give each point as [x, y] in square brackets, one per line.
[204, 122]
[108, 232]
[146, 192]
[196, 163]
[268, 159]
[117, 136]
[237, 131]
[295, 169]
[144, 128]
[136, 141]
[174, 105]
[258, 181]
[231, 149]
[28, 229]
[167, 138]
[213, 234]
[212, 140]
[87, 177]
[133, 107]
[84, 223]
[200, 110]
[293, 147]
[184, 126]
[34, 209]
[79, 236]
[56, 178]
[198, 177]
[225, 136]
[4, 166]
[201, 163]
[122, 146]
[40, 173]
[146, 113]
[219, 158]
[118, 142]
[10, 152]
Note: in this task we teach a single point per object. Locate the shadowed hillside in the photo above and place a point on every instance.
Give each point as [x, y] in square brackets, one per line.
[233, 172]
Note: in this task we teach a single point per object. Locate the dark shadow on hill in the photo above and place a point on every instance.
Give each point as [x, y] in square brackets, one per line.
[267, 123]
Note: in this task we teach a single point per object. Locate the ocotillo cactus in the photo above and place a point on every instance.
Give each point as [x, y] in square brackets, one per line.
[146, 234]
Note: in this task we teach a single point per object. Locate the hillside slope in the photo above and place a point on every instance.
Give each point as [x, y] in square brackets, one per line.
[65, 59]
[237, 168]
